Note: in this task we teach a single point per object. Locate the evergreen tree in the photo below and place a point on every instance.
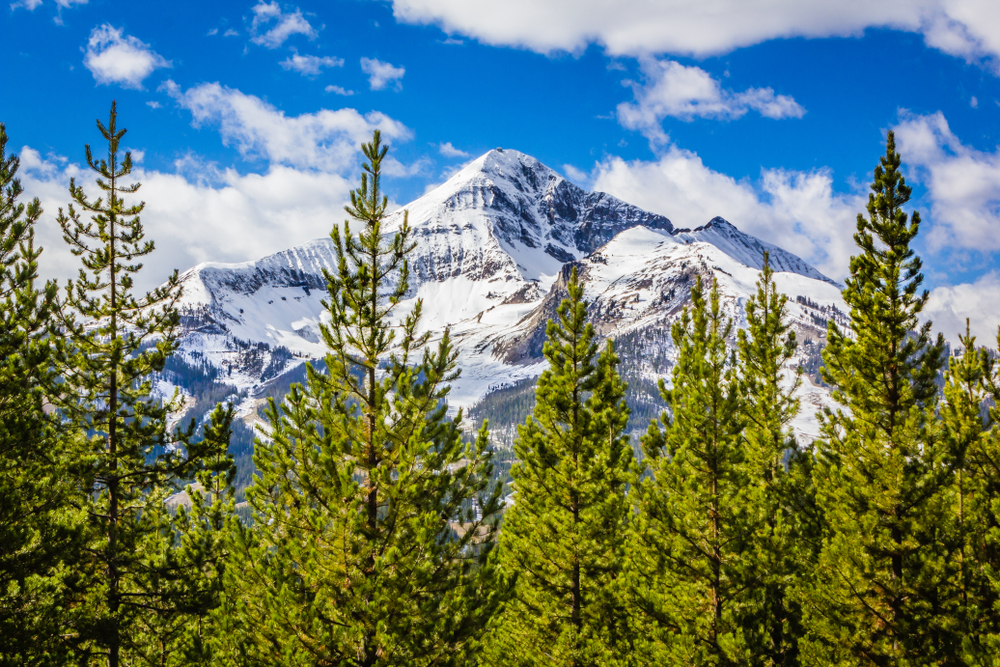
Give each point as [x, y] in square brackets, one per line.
[563, 539]
[690, 562]
[36, 526]
[373, 520]
[882, 591]
[778, 552]
[117, 342]
[188, 556]
[970, 418]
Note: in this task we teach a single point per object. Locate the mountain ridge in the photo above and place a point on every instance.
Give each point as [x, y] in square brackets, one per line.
[494, 244]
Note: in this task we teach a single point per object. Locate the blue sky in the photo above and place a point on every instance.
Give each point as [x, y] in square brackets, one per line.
[246, 116]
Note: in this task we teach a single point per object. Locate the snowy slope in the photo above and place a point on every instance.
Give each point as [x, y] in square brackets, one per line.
[495, 244]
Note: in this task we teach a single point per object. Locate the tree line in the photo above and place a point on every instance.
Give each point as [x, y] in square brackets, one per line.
[374, 532]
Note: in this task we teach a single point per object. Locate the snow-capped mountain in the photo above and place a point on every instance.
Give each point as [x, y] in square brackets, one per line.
[495, 244]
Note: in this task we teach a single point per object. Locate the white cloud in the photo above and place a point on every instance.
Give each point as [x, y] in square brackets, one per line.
[230, 33]
[31, 5]
[310, 65]
[672, 89]
[339, 90]
[966, 28]
[213, 31]
[199, 213]
[381, 74]
[978, 301]
[578, 176]
[798, 211]
[324, 140]
[113, 57]
[447, 150]
[963, 184]
[271, 27]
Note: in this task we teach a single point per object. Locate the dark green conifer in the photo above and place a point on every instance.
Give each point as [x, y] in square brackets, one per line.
[36, 524]
[188, 556]
[117, 343]
[563, 538]
[690, 559]
[373, 518]
[779, 551]
[882, 589]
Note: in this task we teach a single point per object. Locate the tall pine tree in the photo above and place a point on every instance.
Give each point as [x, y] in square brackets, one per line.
[690, 558]
[778, 551]
[373, 518]
[563, 539]
[117, 342]
[37, 526]
[882, 588]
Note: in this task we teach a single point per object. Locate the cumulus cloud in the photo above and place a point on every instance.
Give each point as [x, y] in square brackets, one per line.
[979, 302]
[447, 150]
[966, 28]
[798, 211]
[271, 26]
[113, 57]
[679, 91]
[340, 90]
[310, 65]
[324, 140]
[381, 74]
[197, 214]
[963, 184]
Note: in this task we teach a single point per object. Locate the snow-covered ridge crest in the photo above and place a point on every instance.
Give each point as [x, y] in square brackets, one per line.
[748, 249]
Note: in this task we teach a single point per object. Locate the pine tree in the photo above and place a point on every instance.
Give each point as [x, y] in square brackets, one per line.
[779, 552]
[970, 418]
[563, 539]
[690, 554]
[882, 589]
[373, 518]
[188, 556]
[36, 524]
[117, 342]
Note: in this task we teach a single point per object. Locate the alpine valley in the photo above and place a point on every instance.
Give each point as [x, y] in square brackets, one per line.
[495, 247]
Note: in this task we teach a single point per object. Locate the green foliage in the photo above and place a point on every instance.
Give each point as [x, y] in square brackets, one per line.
[779, 550]
[971, 384]
[690, 561]
[36, 523]
[125, 575]
[188, 556]
[372, 525]
[564, 536]
[882, 591]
